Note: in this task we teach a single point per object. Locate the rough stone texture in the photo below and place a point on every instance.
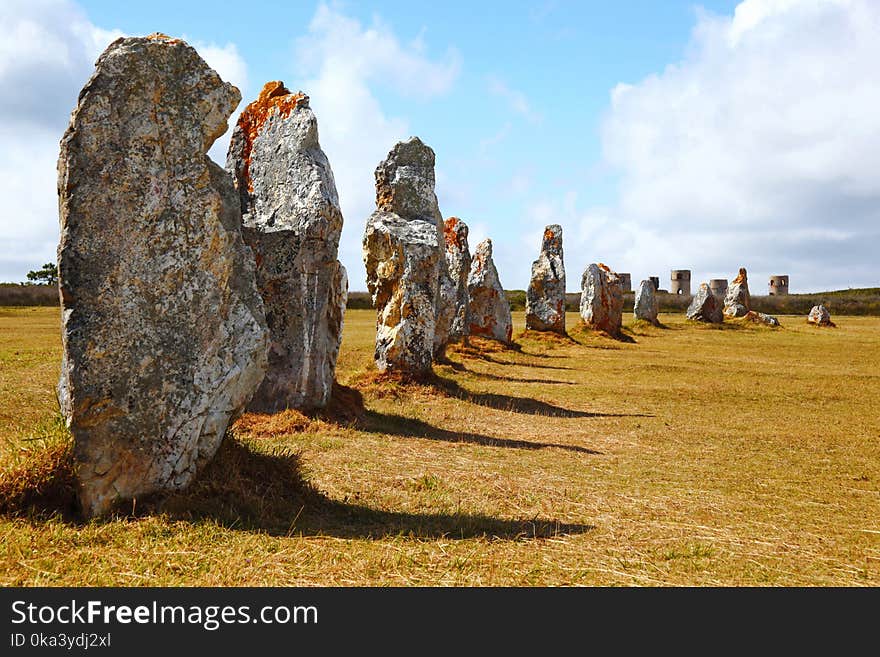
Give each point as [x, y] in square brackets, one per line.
[163, 332]
[705, 306]
[445, 306]
[646, 306]
[820, 316]
[601, 299]
[545, 298]
[489, 310]
[737, 302]
[402, 254]
[292, 222]
[458, 263]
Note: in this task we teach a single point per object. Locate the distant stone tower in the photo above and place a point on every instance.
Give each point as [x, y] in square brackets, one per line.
[656, 281]
[680, 282]
[626, 284]
[718, 286]
[778, 285]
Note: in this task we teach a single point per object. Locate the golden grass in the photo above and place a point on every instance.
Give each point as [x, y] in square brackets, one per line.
[687, 455]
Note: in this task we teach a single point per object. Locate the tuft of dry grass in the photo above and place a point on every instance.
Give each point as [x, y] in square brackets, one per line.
[38, 477]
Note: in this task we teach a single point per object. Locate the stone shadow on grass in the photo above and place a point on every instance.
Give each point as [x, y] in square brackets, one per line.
[247, 490]
[525, 405]
[461, 367]
[406, 427]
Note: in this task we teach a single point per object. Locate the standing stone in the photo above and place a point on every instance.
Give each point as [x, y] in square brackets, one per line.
[601, 299]
[545, 298]
[646, 306]
[402, 254]
[737, 302]
[292, 222]
[163, 332]
[705, 307]
[820, 316]
[458, 262]
[489, 310]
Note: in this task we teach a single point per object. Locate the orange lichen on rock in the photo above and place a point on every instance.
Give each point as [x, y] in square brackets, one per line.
[741, 277]
[159, 36]
[450, 232]
[274, 98]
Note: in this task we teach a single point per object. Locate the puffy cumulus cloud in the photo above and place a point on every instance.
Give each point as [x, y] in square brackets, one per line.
[760, 148]
[343, 64]
[47, 54]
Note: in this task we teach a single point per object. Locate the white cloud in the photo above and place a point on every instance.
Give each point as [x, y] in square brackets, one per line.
[342, 64]
[46, 56]
[761, 148]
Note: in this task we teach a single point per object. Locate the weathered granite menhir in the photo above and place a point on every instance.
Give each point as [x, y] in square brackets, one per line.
[601, 299]
[455, 288]
[403, 256]
[545, 298]
[292, 221]
[489, 309]
[646, 306]
[163, 331]
[705, 307]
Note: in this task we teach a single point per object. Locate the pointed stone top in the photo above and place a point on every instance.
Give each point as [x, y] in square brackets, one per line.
[742, 277]
[456, 232]
[405, 182]
[552, 241]
[274, 100]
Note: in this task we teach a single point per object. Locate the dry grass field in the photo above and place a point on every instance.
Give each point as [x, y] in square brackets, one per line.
[688, 455]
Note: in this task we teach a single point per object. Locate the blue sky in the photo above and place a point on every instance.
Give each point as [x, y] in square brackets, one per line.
[660, 135]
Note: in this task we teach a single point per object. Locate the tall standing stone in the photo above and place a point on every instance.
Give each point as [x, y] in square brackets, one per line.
[458, 262]
[489, 310]
[292, 221]
[737, 301]
[402, 255]
[545, 298]
[163, 332]
[646, 306]
[601, 299]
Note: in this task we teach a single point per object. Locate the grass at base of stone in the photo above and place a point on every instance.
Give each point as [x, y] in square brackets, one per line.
[689, 456]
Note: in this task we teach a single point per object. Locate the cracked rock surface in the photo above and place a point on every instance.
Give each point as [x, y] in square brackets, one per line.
[163, 331]
[601, 299]
[489, 310]
[402, 251]
[545, 298]
[292, 221]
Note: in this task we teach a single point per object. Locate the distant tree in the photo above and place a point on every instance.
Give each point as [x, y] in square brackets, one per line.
[48, 275]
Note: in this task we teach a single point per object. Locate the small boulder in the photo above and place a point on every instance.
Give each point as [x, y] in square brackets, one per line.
[762, 318]
[737, 301]
[545, 298]
[705, 307]
[489, 310]
[646, 306]
[819, 316]
[601, 299]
